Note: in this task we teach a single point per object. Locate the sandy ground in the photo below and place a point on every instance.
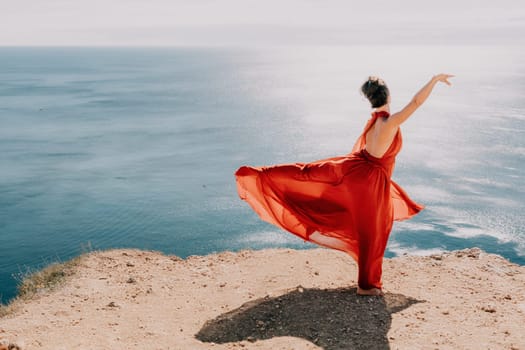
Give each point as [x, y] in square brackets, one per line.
[275, 299]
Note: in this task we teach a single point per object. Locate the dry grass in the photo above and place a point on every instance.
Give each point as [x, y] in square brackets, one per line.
[35, 282]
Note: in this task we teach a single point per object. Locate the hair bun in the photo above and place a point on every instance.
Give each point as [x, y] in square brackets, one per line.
[372, 85]
[375, 91]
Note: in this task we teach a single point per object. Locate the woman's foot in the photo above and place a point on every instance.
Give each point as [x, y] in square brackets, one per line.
[372, 291]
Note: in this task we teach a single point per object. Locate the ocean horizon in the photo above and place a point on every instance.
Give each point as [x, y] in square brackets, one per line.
[136, 147]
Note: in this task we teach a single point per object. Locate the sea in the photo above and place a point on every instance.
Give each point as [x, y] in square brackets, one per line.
[106, 148]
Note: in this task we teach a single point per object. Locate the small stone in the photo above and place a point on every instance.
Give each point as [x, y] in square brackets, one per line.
[112, 304]
[251, 339]
[488, 308]
[131, 280]
[129, 264]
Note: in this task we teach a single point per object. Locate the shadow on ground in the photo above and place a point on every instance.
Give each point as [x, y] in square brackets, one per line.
[333, 319]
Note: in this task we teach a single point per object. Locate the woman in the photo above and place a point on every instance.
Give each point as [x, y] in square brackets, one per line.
[349, 202]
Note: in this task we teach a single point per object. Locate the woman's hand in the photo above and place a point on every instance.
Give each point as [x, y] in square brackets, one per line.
[443, 78]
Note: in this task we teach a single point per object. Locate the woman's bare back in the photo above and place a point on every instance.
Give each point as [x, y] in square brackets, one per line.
[379, 138]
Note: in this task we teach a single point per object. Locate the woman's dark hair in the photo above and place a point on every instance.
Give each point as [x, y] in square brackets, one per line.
[375, 91]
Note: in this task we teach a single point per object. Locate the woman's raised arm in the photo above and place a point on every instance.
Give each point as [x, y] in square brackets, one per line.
[398, 118]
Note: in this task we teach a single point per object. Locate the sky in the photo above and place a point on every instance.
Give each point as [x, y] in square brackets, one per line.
[267, 22]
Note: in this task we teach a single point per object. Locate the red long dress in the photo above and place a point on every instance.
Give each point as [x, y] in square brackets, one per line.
[347, 203]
